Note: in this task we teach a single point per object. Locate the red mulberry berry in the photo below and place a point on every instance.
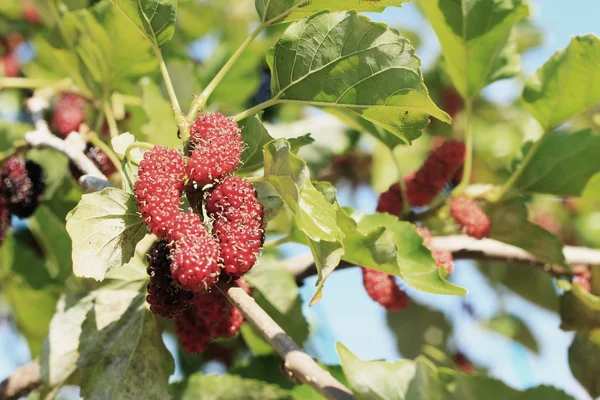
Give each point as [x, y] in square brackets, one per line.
[4, 216]
[159, 187]
[194, 254]
[164, 296]
[10, 65]
[452, 102]
[443, 258]
[69, 114]
[383, 289]
[464, 363]
[192, 332]
[468, 214]
[439, 168]
[23, 183]
[238, 224]
[390, 201]
[221, 318]
[100, 160]
[216, 148]
[30, 13]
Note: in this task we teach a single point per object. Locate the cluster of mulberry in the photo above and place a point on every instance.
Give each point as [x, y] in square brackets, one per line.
[238, 223]
[216, 149]
[210, 316]
[69, 114]
[440, 167]
[22, 184]
[471, 217]
[186, 264]
[100, 160]
[383, 289]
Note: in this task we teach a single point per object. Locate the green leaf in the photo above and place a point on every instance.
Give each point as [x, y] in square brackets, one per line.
[562, 165]
[226, 387]
[155, 18]
[566, 85]
[61, 348]
[510, 225]
[476, 40]
[422, 380]
[275, 290]
[514, 328]
[315, 218]
[579, 310]
[384, 243]
[316, 63]
[129, 164]
[592, 189]
[28, 289]
[50, 234]
[161, 127]
[476, 387]
[33, 309]
[105, 228]
[255, 138]
[297, 9]
[376, 380]
[584, 360]
[98, 49]
[121, 344]
[418, 326]
[534, 285]
[255, 342]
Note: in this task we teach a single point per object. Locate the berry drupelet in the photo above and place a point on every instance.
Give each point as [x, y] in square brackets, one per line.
[238, 224]
[23, 183]
[216, 148]
[164, 296]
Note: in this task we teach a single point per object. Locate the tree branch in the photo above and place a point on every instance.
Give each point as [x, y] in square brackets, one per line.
[299, 365]
[465, 247]
[23, 381]
[73, 146]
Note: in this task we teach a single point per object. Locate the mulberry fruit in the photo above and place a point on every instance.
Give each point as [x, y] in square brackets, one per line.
[159, 187]
[164, 296]
[383, 289]
[221, 318]
[194, 254]
[192, 332]
[23, 183]
[100, 160]
[390, 201]
[30, 13]
[472, 218]
[69, 114]
[10, 66]
[439, 168]
[4, 216]
[238, 224]
[464, 363]
[216, 148]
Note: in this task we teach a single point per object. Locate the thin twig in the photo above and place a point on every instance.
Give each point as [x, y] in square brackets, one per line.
[297, 363]
[73, 146]
[23, 381]
[467, 248]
